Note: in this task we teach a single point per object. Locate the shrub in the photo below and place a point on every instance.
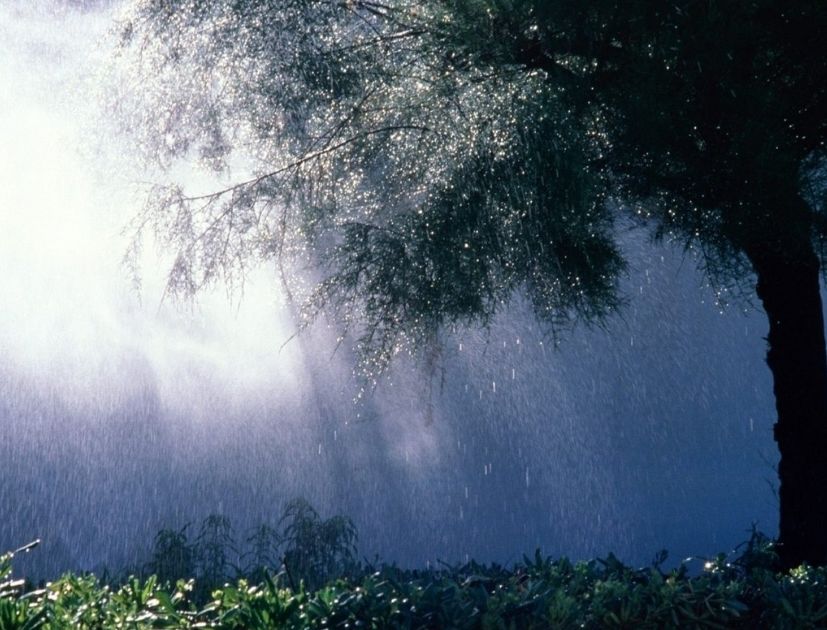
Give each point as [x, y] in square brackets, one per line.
[537, 592]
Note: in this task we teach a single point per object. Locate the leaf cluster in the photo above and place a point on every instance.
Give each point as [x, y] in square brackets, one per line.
[536, 593]
[428, 161]
[425, 183]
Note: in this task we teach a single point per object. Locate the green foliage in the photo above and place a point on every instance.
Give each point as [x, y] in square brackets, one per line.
[428, 185]
[536, 593]
[16, 611]
[436, 158]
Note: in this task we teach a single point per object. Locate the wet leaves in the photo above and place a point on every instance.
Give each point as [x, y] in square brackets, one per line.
[536, 593]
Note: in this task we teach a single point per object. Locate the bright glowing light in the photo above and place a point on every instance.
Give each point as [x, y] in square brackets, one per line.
[68, 310]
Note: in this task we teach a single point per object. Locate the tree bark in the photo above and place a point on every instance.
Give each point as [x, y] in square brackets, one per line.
[789, 287]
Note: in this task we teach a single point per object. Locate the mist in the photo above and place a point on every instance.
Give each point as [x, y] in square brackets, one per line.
[123, 411]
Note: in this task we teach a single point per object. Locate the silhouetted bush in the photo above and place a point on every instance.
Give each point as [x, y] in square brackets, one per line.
[303, 548]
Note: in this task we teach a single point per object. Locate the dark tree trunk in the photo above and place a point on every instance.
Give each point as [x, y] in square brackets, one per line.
[789, 288]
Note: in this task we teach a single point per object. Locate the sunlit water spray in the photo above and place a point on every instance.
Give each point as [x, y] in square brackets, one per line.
[120, 415]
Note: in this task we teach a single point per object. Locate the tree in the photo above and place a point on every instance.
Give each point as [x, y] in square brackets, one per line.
[434, 159]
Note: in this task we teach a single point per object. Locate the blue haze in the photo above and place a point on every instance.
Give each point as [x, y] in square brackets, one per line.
[120, 416]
